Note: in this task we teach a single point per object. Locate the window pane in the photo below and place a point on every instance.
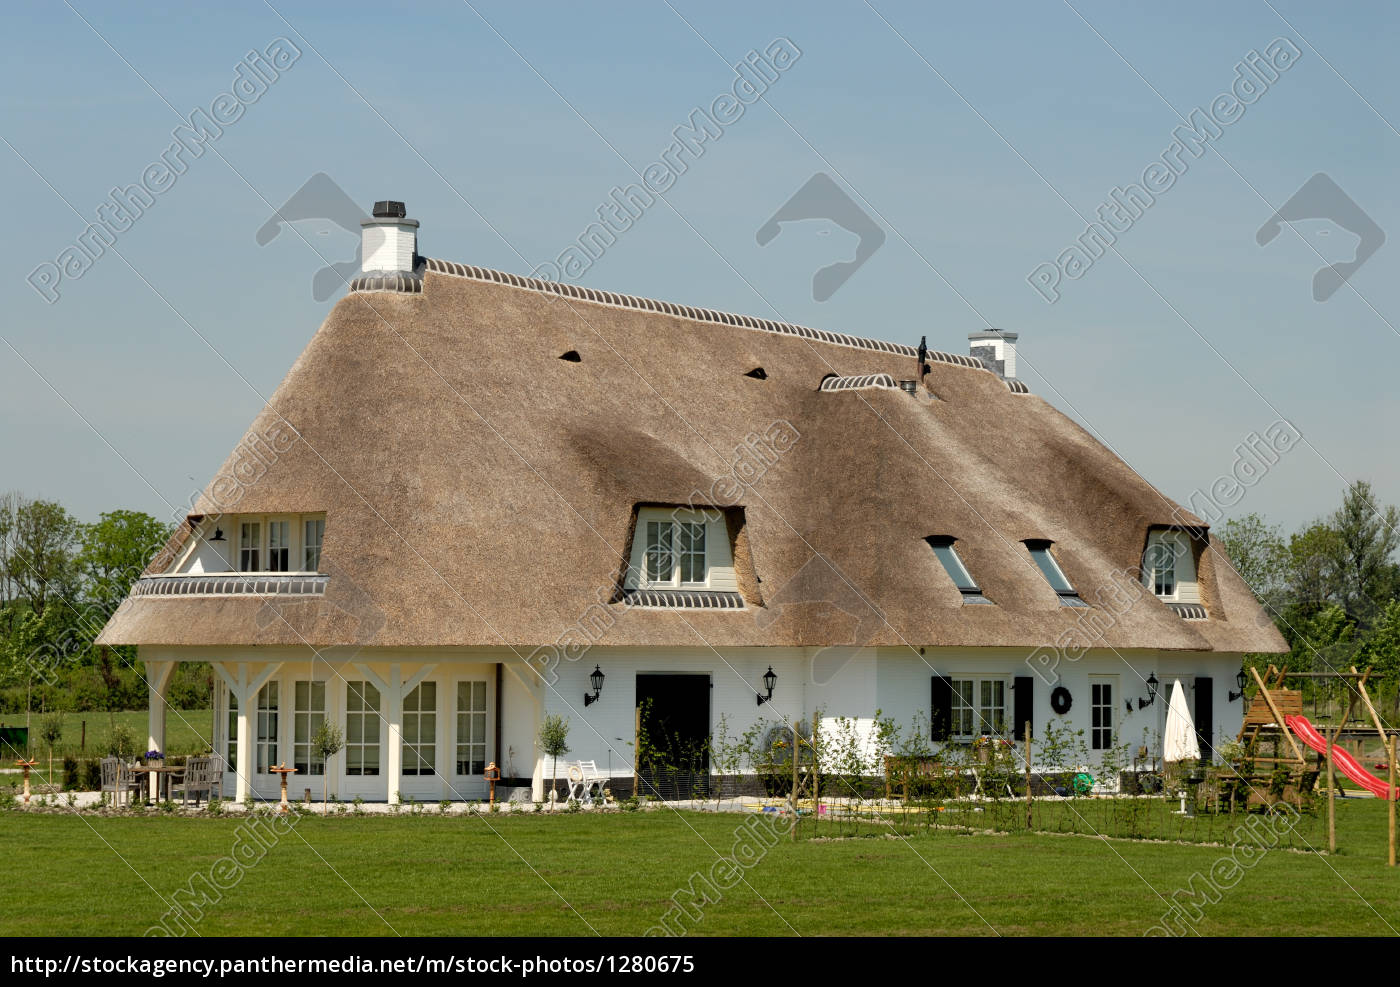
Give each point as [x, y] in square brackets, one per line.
[313, 533]
[660, 560]
[956, 570]
[1051, 569]
[278, 546]
[249, 545]
[692, 553]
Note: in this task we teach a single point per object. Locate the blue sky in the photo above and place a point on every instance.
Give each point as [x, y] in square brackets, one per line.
[975, 136]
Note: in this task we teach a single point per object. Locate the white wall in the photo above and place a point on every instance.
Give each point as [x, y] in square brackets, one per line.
[893, 682]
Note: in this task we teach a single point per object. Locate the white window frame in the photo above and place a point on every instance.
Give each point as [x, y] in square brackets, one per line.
[267, 727]
[412, 760]
[245, 546]
[1111, 682]
[296, 540]
[678, 519]
[971, 706]
[1173, 543]
[306, 523]
[305, 723]
[462, 741]
[367, 715]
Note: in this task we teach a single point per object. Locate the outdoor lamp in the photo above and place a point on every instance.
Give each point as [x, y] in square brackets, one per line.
[1152, 684]
[218, 534]
[769, 681]
[596, 681]
[1240, 680]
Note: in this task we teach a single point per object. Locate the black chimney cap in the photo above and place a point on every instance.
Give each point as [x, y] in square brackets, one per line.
[390, 210]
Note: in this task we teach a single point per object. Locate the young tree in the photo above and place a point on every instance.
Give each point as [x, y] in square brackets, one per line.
[1362, 553]
[554, 741]
[327, 741]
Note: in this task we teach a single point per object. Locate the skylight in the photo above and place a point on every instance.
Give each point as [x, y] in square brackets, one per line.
[942, 546]
[1054, 575]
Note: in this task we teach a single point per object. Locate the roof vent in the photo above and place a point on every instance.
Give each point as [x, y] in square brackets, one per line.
[571, 357]
[757, 373]
[909, 386]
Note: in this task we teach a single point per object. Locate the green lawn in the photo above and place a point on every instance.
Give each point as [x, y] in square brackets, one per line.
[186, 732]
[574, 874]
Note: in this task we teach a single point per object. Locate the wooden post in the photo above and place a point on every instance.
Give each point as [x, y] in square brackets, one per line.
[796, 751]
[1028, 775]
[1390, 758]
[1331, 794]
[83, 744]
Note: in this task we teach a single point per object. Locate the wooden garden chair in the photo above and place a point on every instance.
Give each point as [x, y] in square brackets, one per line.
[118, 779]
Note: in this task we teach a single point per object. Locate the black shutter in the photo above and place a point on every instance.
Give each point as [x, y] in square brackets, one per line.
[941, 716]
[1023, 689]
[1205, 716]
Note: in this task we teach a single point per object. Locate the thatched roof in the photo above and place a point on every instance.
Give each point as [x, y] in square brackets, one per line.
[479, 490]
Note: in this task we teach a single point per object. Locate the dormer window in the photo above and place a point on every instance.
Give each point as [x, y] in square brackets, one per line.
[1159, 569]
[1054, 575]
[675, 552]
[1169, 567]
[260, 543]
[942, 546]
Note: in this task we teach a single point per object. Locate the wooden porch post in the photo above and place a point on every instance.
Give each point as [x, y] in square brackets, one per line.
[393, 700]
[247, 725]
[158, 675]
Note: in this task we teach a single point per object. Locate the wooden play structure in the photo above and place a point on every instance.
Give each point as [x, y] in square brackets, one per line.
[1275, 767]
[1278, 739]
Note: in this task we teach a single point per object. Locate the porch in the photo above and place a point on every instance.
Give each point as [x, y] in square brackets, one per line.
[422, 731]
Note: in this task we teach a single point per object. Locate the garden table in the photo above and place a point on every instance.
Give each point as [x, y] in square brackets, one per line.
[163, 775]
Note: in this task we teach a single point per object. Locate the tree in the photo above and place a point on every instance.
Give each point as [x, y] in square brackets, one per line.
[554, 741]
[1381, 651]
[1362, 552]
[1312, 575]
[1260, 555]
[327, 741]
[114, 551]
[41, 558]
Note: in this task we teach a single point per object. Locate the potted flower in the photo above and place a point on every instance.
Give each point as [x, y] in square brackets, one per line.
[151, 756]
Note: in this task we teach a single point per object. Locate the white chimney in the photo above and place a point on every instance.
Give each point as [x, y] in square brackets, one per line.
[997, 350]
[389, 242]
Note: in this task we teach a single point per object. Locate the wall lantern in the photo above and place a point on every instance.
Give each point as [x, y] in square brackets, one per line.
[1152, 684]
[1240, 680]
[596, 681]
[769, 681]
[218, 535]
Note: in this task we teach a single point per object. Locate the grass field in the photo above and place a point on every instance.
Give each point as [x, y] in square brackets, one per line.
[186, 731]
[577, 874]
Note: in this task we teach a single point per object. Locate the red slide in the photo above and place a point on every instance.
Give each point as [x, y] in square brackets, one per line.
[1349, 766]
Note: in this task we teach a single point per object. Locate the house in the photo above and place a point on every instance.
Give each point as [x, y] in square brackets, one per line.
[479, 498]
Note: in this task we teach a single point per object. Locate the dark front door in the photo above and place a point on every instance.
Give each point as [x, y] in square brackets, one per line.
[675, 755]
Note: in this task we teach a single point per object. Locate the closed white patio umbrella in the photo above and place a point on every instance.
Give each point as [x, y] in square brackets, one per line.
[1179, 741]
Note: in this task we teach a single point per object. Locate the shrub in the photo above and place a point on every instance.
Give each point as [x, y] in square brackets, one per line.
[70, 774]
[91, 775]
